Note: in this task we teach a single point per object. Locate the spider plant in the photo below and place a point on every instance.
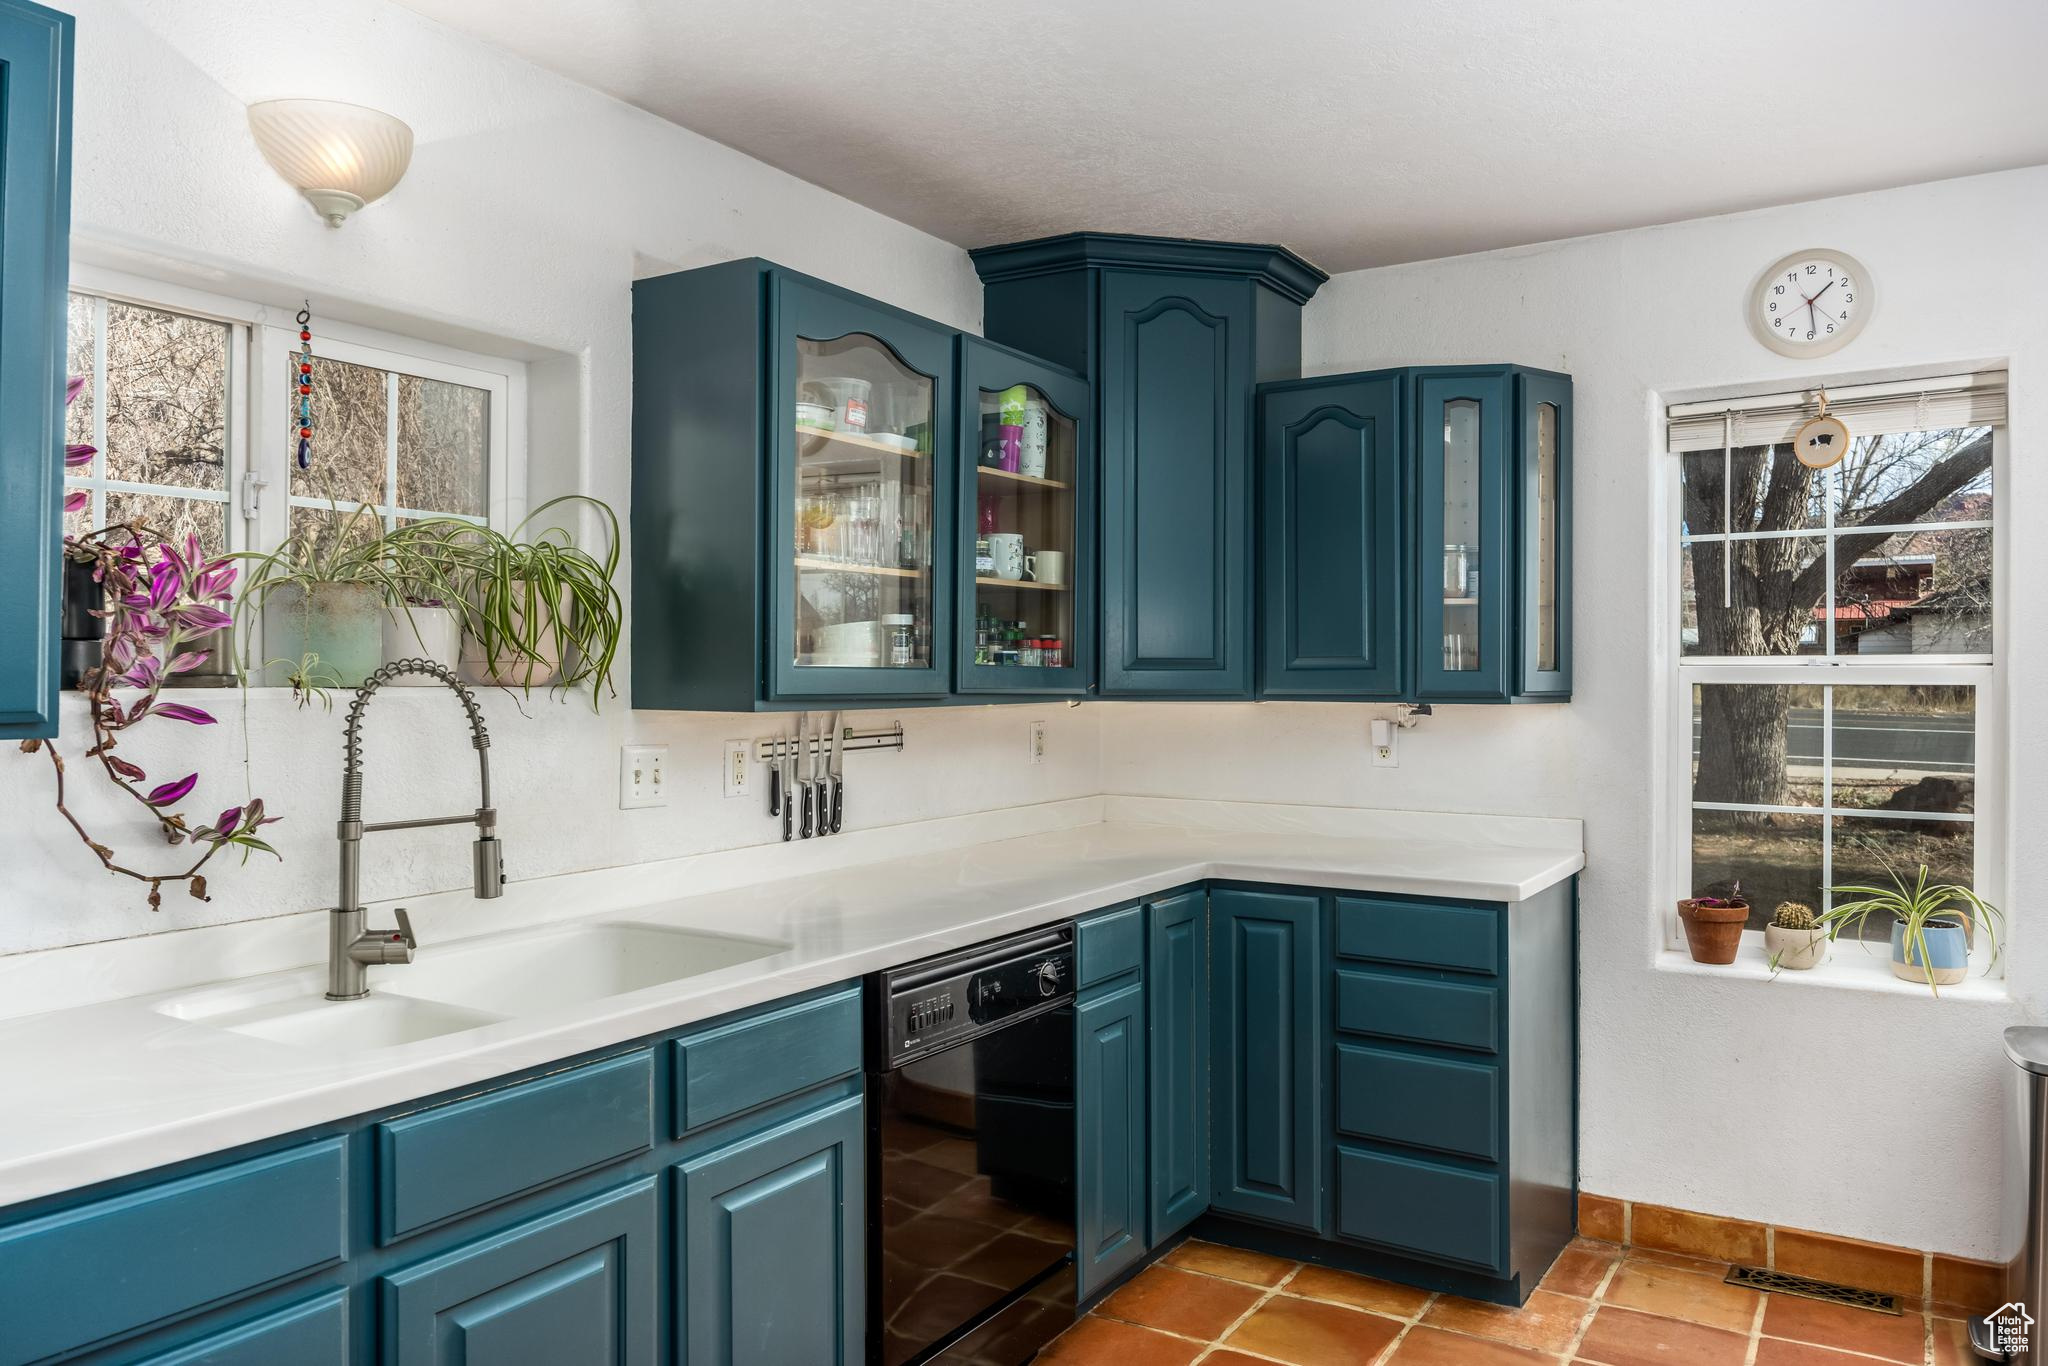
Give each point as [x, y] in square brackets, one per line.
[532, 596]
[1915, 907]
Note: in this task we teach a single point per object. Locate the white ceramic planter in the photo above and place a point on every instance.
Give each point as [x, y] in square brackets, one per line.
[430, 633]
[516, 671]
[1797, 950]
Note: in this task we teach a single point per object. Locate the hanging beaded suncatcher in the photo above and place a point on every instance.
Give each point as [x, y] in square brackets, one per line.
[306, 386]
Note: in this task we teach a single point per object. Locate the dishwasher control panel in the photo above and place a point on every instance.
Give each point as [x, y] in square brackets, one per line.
[950, 999]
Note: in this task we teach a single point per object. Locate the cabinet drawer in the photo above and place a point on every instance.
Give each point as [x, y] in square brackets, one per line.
[311, 1333]
[1461, 937]
[101, 1269]
[1109, 945]
[1423, 1102]
[1441, 1212]
[1418, 1008]
[473, 1153]
[734, 1067]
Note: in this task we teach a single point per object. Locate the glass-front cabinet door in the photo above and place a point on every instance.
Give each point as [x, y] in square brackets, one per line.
[1462, 453]
[863, 442]
[1543, 481]
[1026, 562]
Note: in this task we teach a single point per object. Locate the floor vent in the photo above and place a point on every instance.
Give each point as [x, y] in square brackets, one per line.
[1785, 1283]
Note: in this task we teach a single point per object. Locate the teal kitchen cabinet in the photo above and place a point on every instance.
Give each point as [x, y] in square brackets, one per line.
[1177, 1011]
[1025, 556]
[1267, 1026]
[35, 219]
[794, 457]
[772, 1262]
[1173, 335]
[1110, 1119]
[1543, 483]
[1335, 560]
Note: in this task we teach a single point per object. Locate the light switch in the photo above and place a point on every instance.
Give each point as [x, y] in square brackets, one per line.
[643, 776]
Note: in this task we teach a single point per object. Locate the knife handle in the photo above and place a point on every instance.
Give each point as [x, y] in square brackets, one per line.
[809, 802]
[775, 787]
[838, 801]
[788, 815]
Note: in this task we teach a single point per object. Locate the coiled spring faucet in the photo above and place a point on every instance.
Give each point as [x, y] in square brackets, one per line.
[351, 948]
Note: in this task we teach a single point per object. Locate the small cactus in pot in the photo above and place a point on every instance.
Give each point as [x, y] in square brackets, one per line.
[1795, 938]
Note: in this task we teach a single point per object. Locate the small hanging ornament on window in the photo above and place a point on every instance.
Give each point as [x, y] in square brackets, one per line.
[1821, 441]
[305, 403]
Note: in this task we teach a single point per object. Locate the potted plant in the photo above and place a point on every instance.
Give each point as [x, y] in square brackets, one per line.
[1933, 926]
[1795, 938]
[1713, 925]
[541, 610]
[418, 627]
[321, 595]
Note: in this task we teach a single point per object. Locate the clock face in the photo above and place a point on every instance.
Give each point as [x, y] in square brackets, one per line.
[1810, 303]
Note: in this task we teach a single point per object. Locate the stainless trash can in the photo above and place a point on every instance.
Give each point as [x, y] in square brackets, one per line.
[2006, 1332]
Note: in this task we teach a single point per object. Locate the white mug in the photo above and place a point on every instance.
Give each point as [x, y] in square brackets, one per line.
[1048, 567]
[1032, 459]
[1006, 549]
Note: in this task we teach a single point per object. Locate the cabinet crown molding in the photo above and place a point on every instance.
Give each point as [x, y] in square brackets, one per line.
[1271, 265]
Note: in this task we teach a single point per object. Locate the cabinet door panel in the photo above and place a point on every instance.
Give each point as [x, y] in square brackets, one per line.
[770, 1266]
[1266, 1105]
[1109, 1107]
[1462, 497]
[1176, 376]
[578, 1285]
[1177, 1000]
[311, 1333]
[1544, 489]
[35, 217]
[1331, 463]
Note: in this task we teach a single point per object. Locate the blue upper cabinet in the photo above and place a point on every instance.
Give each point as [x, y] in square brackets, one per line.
[1025, 595]
[1463, 503]
[1174, 335]
[1334, 562]
[794, 455]
[35, 231]
[1543, 480]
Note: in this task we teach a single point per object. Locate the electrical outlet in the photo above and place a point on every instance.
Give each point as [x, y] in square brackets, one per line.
[643, 776]
[739, 768]
[1386, 736]
[1037, 742]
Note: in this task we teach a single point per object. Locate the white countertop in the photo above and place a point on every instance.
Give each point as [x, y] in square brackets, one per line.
[114, 1087]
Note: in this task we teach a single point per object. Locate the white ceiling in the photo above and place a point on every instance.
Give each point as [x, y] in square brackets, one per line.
[1358, 132]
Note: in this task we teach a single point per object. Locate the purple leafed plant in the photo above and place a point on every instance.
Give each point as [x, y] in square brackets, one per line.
[162, 606]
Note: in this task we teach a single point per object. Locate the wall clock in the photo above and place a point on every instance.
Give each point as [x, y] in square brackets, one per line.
[1810, 303]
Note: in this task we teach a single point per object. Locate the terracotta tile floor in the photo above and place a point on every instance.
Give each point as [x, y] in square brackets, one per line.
[1601, 1305]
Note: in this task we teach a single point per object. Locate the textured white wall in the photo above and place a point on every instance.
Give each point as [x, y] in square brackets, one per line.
[531, 205]
[1870, 1115]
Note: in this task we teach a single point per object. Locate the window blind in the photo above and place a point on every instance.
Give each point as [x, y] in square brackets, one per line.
[1973, 400]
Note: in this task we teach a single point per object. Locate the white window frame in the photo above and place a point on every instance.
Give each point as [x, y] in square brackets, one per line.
[1680, 673]
[260, 337]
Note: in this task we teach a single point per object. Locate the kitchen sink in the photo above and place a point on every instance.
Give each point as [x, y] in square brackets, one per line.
[294, 1012]
[519, 974]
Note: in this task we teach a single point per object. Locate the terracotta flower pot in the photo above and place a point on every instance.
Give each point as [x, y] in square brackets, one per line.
[1713, 933]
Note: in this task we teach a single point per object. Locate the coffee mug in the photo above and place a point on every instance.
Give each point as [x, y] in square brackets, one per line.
[1006, 549]
[1048, 567]
[1031, 455]
[1012, 447]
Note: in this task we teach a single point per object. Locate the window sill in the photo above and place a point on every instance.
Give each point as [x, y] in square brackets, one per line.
[1848, 968]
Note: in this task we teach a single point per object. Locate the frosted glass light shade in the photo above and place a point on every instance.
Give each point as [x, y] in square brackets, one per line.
[339, 156]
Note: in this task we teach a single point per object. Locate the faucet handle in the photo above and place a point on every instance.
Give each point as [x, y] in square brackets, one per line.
[405, 928]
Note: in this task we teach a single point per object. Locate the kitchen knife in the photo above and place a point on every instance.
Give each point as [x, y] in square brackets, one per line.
[775, 776]
[807, 766]
[838, 787]
[787, 772]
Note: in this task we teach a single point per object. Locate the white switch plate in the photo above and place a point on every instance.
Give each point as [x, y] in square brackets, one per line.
[1038, 742]
[643, 776]
[739, 768]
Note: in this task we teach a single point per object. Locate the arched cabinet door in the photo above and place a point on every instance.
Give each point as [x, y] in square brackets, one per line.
[35, 228]
[1176, 361]
[1334, 572]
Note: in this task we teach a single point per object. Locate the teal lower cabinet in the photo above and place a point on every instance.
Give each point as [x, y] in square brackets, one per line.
[692, 1199]
[1266, 1131]
[1110, 1124]
[1177, 1014]
[577, 1285]
[772, 1230]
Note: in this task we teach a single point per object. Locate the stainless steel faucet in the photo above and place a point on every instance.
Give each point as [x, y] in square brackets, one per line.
[351, 948]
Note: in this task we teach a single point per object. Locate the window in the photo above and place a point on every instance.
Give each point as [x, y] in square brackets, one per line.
[1836, 662]
[191, 401]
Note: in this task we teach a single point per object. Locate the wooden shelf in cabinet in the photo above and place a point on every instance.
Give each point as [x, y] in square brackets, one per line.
[822, 449]
[1023, 583]
[886, 571]
[1018, 477]
[1461, 602]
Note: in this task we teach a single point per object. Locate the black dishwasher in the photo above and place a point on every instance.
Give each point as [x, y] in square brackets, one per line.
[970, 1110]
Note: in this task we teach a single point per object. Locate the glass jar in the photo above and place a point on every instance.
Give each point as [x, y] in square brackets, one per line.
[901, 645]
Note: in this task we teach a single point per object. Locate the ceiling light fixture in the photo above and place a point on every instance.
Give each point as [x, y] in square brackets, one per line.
[339, 156]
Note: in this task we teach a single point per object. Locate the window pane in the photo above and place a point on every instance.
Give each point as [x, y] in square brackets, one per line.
[1756, 743]
[1774, 858]
[319, 531]
[1917, 593]
[1772, 603]
[444, 436]
[1868, 852]
[1769, 491]
[172, 518]
[351, 429]
[1903, 477]
[1906, 749]
[167, 386]
[78, 361]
